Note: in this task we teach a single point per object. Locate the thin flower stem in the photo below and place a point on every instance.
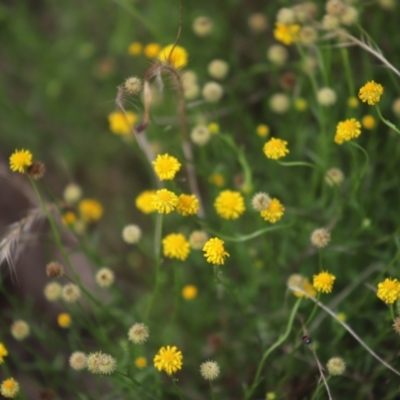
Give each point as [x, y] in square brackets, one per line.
[157, 251]
[392, 312]
[178, 392]
[322, 373]
[312, 312]
[212, 391]
[248, 181]
[385, 121]
[349, 76]
[137, 383]
[244, 238]
[281, 339]
[364, 168]
[347, 327]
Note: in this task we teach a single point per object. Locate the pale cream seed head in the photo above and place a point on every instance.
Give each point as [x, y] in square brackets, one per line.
[286, 16]
[202, 26]
[138, 333]
[212, 92]
[336, 366]
[330, 22]
[209, 370]
[218, 69]
[258, 23]
[320, 237]
[200, 135]
[52, 291]
[78, 360]
[71, 293]
[277, 54]
[326, 96]
[72, 193]
[133, 85]
[131, 234]
[260, 201]
[279, 103]
[198, 239]
[105, 277]
[54, 269]
[20, 329]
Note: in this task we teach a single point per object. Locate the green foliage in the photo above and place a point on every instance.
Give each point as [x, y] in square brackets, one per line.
[61, 66]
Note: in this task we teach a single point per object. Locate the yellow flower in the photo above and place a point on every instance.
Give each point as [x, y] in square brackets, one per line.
[189, 292]
[302, 283]
[371, 93]
[347, 130]
[166, 166]
[91, 210]
[214, 251]
[135, 48]
[69, 218]
[323, 282]
[164, 201]
[341, 316]
[287, 34]
[275, 148]
[64, 320]
[20, 160]
[213, 127]
[9, 388]
[141, 362]
[389, 290]
[175, 245]
[274, 212]
[368, 122]
[217, 179]
[178, 58]
[143, 201]
[300, 104]
[262, 130]
[121, 124]
[168, 359]
[152, 50]
[229, 204]
[188, 204]
[352, 102]
[3, 352]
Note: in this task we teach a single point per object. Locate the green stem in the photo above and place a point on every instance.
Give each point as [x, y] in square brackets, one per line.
[248, 181]
[345, 56]
[178, 392]
[385, 121]
[212, 391]
[157, 251]
[272, 348]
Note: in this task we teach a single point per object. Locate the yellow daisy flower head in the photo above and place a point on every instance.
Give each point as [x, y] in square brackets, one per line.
[389, 290]
[188, 204]
[352, 102]
[229, 204]
[347, 130]
[9, 388]
[152, 50]
[274, 212]
[275, 148]
[91, 210]
[20, 160]
[164, 201]
[286, 34]
[175, 245]
[3, 352]
[64, 320]
[141, 362]
[213, 127]
[189, 292]
[215, 251]
[262, 130]
[135, 48]
[177, 56]
[323, 282]
[121, 123]
[368, 122]
[217, 179]
[371, 93]
[168, 359]
[166, 166]
[143, 201]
